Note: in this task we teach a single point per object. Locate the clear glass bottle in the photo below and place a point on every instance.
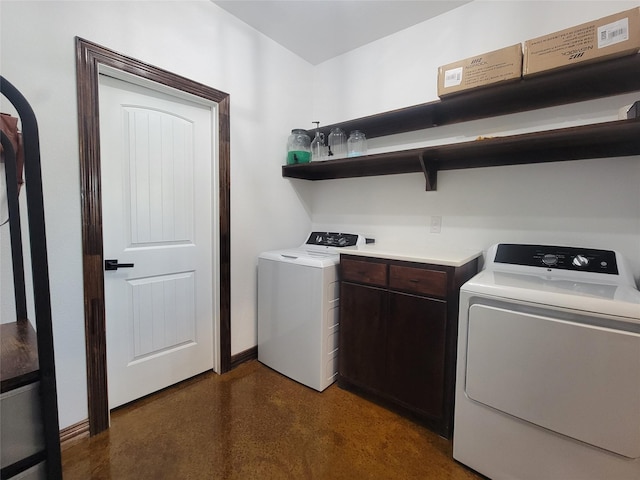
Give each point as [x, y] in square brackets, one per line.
[356, 144]
[318, 148]
[337, 143]
[298, 147]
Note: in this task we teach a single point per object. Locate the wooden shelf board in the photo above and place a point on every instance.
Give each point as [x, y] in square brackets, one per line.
[608, 139]
[550, 89]
[18, 355]
[584, 82]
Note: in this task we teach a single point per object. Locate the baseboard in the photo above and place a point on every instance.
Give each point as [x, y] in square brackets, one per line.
[74, 433]
[245, 356]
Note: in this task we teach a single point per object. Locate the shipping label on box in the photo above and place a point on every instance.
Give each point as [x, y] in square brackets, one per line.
[613, 36]
[482, 70]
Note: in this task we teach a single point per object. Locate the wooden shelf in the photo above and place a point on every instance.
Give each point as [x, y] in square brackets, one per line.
[19, 353]
[588, 82]
[609, 139]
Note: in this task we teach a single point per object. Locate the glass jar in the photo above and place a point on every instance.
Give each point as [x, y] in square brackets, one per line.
[356, 144]
[298, 147]
[337, 143]
[318, 148]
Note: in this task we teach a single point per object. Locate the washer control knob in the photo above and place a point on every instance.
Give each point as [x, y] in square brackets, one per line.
[550, 259]
[580, 261]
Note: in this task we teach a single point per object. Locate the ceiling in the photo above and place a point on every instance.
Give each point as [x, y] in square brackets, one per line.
[318, 30]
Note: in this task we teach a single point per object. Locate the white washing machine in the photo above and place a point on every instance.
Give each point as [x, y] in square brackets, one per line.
[548, 367]
[298, 305]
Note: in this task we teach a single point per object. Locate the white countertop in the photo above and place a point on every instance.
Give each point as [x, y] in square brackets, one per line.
[434, 254]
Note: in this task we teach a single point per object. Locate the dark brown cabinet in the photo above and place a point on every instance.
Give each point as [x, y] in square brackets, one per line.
[416, 339]
[398, 331]
[367, 336]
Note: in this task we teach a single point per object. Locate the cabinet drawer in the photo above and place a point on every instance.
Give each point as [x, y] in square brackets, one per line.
[364, 272]
[418, 280]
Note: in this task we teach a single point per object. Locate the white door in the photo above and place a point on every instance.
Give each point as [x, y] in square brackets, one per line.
[157, 205]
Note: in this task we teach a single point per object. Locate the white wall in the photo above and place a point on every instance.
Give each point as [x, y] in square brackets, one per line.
[591, 203]
[195, 39]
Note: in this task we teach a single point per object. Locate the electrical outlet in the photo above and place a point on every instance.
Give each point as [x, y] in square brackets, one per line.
[436, 224]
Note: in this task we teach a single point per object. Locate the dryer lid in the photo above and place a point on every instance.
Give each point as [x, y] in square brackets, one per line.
[303, 256]
[559, 292]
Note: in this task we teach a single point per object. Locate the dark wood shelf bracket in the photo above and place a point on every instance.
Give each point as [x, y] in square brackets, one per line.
[430, 170]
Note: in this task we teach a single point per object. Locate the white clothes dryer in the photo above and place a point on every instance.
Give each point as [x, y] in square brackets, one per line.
[298, 305]
[548, 366]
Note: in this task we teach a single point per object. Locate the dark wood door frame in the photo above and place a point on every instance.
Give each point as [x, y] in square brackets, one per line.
[89, 57]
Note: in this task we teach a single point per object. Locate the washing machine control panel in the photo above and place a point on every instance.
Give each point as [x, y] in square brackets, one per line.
[332, 239]
[564, 258]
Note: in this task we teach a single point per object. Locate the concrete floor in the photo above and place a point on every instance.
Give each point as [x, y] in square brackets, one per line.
[255, 423]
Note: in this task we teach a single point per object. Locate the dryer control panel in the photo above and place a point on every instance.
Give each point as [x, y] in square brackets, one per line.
[564, 258]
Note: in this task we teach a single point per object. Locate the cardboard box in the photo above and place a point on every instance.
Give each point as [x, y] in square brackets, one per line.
[613, 36]
[490, 68]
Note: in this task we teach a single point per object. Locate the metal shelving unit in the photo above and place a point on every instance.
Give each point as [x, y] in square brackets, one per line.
[30, 429]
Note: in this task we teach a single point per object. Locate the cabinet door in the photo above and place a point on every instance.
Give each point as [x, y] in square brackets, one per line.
[416, 352]
[361, 354]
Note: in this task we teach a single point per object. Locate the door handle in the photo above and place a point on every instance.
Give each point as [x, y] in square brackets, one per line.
[114, 265]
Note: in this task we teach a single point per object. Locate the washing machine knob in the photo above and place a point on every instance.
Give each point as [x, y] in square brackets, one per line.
[580, 261]
[550, 259]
